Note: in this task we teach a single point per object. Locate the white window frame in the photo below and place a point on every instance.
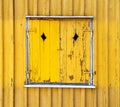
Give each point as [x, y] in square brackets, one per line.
[61, 85]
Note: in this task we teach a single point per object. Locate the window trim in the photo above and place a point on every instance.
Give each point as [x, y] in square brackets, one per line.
[61, 85]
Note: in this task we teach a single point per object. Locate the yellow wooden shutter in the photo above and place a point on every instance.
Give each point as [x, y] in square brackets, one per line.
[59, 50]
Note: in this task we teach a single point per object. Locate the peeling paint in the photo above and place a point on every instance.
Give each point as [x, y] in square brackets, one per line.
[11, 82]
[71, 77]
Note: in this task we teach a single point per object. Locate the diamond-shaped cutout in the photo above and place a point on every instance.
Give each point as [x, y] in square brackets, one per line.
[75, 37]
[43, 36]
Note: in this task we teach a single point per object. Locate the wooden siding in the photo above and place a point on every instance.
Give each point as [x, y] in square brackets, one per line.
[13, 58]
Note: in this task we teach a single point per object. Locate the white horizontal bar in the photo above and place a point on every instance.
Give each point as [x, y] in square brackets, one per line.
[60, 17]
[59, 86]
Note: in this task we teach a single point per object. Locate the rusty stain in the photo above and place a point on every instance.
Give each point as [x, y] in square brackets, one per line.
[39, 79]
[94, 72]
[61, 74]
[83, 60]
[89, 75]
[33, 30]
[81, 79]
[81, 63]
[47, 80]
[21, 24]
[86, 70]
[85, 27]
[60, 44]
[11, 83]
[71, 55]
[71, 77]
[87, 81]
[72, 52]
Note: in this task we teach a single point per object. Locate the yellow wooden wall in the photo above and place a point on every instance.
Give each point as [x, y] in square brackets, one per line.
[13, 58]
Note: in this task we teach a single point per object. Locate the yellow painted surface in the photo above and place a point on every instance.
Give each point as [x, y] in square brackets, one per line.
[59, 57]
[1, 56]
[8, 57]
[106, 54]
[44, 54]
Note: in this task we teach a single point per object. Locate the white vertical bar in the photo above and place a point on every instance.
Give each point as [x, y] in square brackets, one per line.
[91, 53]
[27, 50]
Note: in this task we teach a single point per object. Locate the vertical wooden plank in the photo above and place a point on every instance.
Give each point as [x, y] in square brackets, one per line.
[63, 56]
[94, 13]
[79, 93]
[56, 93]
[43, 7]
[34, 51]
[87, 43]
[79, 9]
[113, 70]
[25, 89]
[118, 51]
[33, 97]
[56, 97]
[1, 54]
[112, 55]
[31, 52]
[54, 51]
[66, 10]
[33, 93]
[67, 7]
[82, 5]
[20, 64]
[82, 95]
[82, 51]
[79, 51]
[55, 7]
[102, 54]
[45, 50]
[106, 50]
[67, 93]
[32, 7]
[41, 45]
[88, 93]
[45, 97]
[88, 7]
[45, 94]
[68, 98]
[89, 98]
[8, 53]
[70, 43]
[77, 100]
